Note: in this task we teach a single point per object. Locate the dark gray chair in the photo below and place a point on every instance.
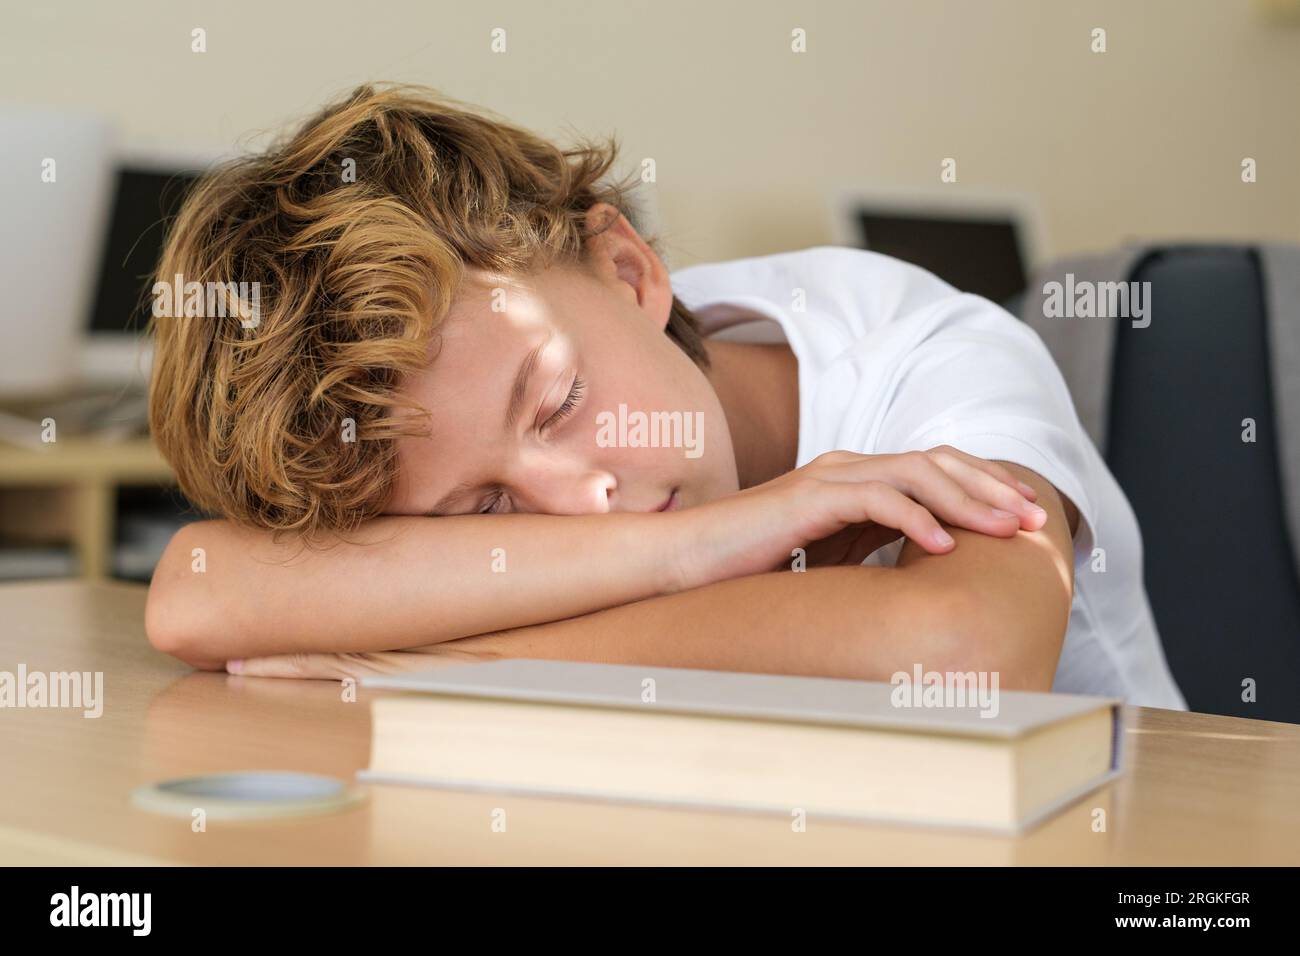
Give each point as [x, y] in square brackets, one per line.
[1220, 570]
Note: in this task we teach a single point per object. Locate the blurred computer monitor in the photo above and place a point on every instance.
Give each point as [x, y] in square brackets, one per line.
[54, 199]
[986, 243]
[147, 192]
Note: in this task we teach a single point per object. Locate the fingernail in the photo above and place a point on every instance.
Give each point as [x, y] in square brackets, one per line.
[1003, 514]
[234, 667]
[1034, 509]
[942, 538]
[1027, 489]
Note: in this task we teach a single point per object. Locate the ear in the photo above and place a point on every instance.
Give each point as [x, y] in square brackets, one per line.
[617, 254]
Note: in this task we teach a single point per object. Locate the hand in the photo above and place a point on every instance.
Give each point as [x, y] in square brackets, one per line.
[851, 504]
[314, 666]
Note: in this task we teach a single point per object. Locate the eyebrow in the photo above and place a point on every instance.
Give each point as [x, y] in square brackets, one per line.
[517, 394]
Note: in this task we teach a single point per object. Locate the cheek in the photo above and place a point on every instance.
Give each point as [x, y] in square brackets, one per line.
[649, 374]
[407, 480]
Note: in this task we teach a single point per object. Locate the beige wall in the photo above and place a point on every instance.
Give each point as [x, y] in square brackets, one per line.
[1144, 140]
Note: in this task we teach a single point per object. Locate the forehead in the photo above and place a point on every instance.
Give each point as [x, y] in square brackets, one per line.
[495, 319]
[488, 301]
[487, 332]
[491, 317]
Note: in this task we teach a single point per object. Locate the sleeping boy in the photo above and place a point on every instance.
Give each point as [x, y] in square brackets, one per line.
[478, 418]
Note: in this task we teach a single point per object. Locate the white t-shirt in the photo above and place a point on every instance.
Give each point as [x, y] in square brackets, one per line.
[893, 359]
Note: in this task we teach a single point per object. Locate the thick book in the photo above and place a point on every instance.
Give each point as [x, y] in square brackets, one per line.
[908, 752]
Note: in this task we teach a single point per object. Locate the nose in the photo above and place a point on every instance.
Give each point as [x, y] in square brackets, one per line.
[560, 487]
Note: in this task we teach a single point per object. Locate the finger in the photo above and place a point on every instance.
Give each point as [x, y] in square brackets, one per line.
[948, 499]
[981, 485]
[918, 476]
[295, 666]
[998, 471]
[884, 504]
[1001, 472]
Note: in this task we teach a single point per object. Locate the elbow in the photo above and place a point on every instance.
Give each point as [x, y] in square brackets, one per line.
[162, 620]
[174, 611]
[982, 635]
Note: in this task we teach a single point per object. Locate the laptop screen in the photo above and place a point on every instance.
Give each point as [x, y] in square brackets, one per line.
[972, 254]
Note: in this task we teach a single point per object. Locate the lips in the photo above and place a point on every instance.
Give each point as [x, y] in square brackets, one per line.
[672, 504]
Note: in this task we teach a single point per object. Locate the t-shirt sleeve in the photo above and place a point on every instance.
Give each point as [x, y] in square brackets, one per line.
[966, 373]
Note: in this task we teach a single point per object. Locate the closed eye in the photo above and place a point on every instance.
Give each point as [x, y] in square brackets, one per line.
[497, 503]
[568, 405]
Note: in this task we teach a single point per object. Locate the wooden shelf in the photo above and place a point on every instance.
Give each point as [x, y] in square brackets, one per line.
[68, 489]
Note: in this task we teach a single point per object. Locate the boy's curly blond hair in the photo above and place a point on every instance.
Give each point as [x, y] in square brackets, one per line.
[355, 274]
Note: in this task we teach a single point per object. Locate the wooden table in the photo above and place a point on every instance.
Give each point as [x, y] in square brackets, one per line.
[1198, 789]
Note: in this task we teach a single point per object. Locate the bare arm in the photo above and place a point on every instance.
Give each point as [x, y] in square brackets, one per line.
[399, 581]
[222, 592]
[992, 604]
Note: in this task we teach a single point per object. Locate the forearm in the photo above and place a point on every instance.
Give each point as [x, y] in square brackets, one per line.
[992, 604]
[863, 623]
[398, 582]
